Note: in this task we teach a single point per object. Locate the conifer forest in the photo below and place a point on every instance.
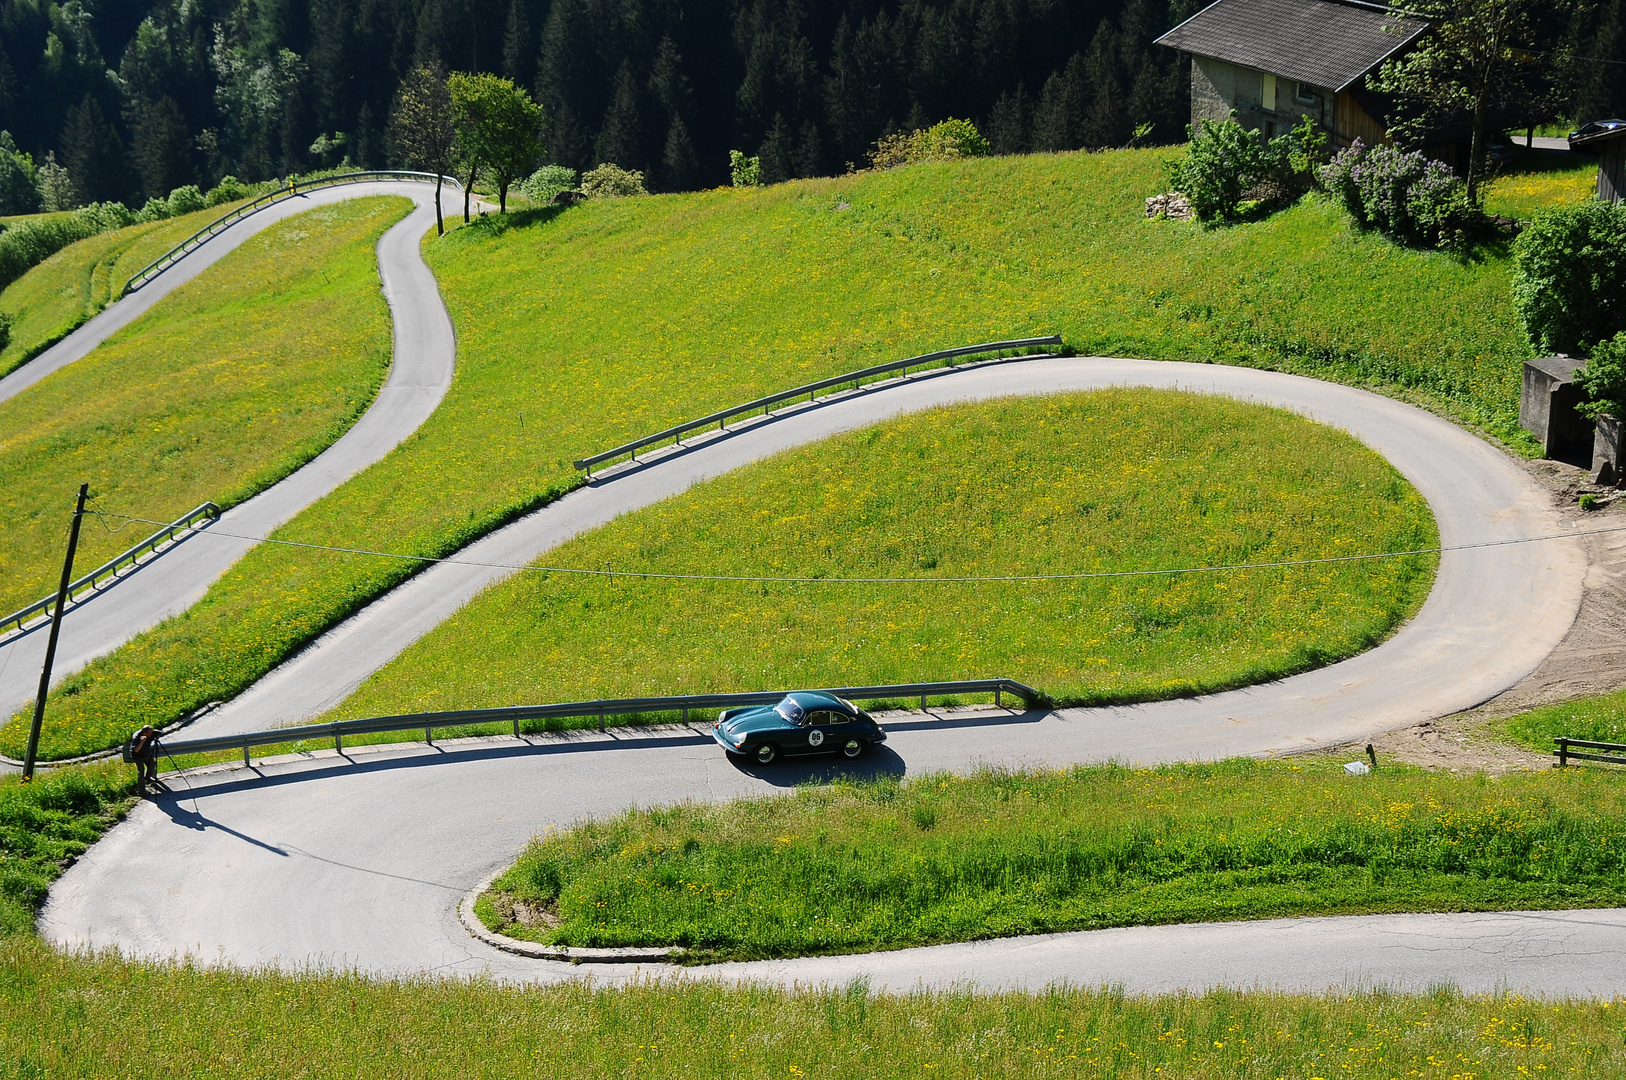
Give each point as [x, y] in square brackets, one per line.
[138, 97]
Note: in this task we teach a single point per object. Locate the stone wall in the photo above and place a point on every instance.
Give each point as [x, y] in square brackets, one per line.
[1261, 101]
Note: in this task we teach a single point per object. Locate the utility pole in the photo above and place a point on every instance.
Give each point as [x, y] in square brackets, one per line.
[50, 642]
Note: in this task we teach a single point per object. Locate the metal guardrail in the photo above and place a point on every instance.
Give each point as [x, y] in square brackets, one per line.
[128, 557]
[429, 722]
[811, 389]
[1564, 753]
[227, 220]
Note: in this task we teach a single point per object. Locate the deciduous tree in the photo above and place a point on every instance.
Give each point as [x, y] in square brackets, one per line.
[1474, 59]
[423, 128]
[499, 128]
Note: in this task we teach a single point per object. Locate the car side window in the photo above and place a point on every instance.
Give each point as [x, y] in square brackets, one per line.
[819, 719]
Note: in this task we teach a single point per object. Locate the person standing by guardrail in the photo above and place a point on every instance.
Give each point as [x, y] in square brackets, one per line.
[144, 752]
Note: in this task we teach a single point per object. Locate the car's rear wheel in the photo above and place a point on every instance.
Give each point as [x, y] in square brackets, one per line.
[852, 747]
[766, 753]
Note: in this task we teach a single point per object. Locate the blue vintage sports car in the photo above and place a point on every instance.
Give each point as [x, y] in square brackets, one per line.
[805, 722]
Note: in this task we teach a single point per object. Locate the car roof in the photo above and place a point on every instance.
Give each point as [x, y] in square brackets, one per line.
[817, 699]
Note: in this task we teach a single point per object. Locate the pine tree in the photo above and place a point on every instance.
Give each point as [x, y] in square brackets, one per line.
[680, 165]
[518, 52]
[776, 152]
[1059, 119]
[808, 157]
[1105, 122]
[621, 138]
[161, 148]
[93, 154]
[1008, 127]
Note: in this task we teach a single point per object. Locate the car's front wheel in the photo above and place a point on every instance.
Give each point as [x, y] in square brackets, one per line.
[766, 753]
[852, 747]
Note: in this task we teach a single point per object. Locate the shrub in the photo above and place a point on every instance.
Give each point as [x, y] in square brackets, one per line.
[946, 141]
[56, 187]
[1405, 196]
[230, 189]
[156, 210]
[1569, 276]
[1229, 170]
[186, 200]
[31, 243]
[546, 182]
[610, 181]
[950, 139]
[744, 171]
[19, 180]
[1604, 379]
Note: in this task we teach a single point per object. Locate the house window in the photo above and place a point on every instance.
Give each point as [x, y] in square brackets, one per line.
[1307, 94]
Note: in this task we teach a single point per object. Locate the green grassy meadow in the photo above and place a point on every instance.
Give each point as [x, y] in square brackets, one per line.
[1093, 483]
[1596, 719]
[226, 386]
[854, 867]
[71, 1014]
[55, 297]
[583, 328]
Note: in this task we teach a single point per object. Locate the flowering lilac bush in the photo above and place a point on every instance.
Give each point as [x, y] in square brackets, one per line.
[1406, 196]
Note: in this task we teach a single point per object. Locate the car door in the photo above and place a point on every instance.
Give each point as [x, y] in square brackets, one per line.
[818, 736]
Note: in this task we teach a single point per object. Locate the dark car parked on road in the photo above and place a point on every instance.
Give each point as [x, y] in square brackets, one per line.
[804, 722]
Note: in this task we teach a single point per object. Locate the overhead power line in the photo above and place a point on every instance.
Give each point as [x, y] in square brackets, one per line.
[967, 579]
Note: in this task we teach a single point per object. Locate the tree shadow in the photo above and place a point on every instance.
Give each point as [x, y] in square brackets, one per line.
[494, 225]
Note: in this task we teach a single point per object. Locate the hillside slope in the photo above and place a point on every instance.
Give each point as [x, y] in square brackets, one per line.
[581, 328]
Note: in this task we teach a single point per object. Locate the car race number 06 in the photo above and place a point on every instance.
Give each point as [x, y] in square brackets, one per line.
[815, 738]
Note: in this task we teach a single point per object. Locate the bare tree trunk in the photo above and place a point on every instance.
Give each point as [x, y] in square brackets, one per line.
[466, 189]
[440, 225]
[1476, 152]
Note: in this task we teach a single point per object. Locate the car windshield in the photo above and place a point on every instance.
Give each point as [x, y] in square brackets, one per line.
[791, 710]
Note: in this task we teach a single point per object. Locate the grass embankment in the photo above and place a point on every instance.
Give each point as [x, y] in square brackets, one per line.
[883, 864]
[55, 297]
[63, 1016]
[1540, 180]
[226, 386]
[1103, 482]
[46, 824]
[1595, 719]
[581, 329]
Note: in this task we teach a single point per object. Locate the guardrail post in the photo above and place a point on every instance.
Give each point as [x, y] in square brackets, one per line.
[1563, 752]
[429, 736]
[245, 755]
[338, 743]
[997, 703]
[601, 717]
[922, 702]
[516, 727]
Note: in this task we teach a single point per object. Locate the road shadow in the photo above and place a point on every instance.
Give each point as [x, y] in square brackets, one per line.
[170, 803]
[394, 757]
[877, 762]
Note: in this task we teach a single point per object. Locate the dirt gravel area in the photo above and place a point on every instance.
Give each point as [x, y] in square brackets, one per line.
[1587, 662]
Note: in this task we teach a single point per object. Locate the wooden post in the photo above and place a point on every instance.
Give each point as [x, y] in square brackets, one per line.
[1563, 752]
[50, 641]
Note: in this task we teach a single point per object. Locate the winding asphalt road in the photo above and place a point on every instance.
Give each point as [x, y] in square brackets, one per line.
[360, 860]
[420, 375]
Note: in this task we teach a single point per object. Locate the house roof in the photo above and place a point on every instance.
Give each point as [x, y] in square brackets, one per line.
[1326, 43]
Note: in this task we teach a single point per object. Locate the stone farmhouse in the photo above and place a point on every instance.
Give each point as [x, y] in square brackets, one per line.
[1274, 61]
